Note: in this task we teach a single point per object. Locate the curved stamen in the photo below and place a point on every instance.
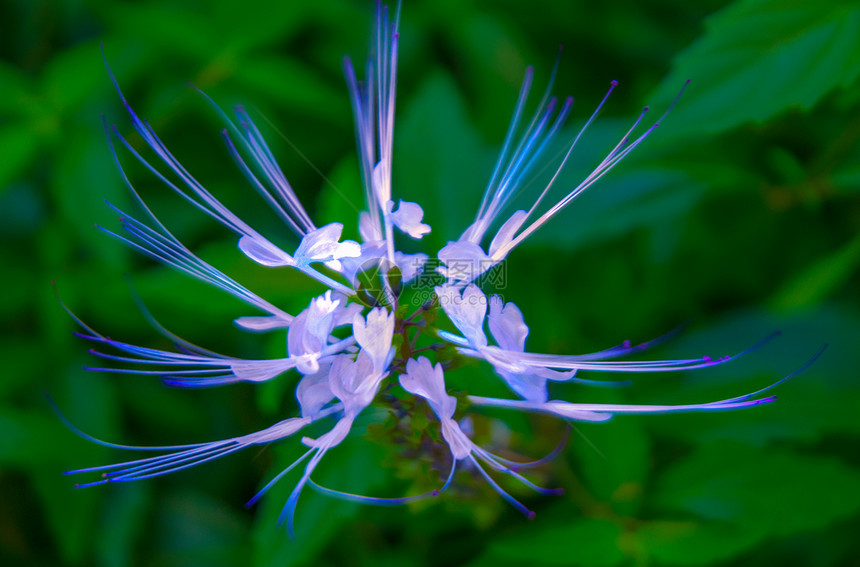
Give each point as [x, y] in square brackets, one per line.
[491, 459]
[515, 465]
[501, 492]
[379, 501]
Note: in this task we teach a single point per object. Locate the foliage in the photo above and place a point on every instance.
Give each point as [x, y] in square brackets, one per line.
[741, 213]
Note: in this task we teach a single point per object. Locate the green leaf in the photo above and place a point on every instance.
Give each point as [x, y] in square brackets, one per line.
[177, 31]
[583, 543]
[74, 76]
[694, 543]
[196, 529]
[16, 92]
[846, 179]
[758, 58]
[60, 502]
[614, 459]
[756, 494]
[819, 280]
[124, 514]
[19, 146]
[293, 85]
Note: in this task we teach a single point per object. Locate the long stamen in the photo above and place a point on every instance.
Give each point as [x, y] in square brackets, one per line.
[379, 501]
[510, 499]
[607, 164]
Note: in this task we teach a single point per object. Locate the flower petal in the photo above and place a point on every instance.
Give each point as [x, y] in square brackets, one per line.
[466, 311]
[375, 335]
[464, 261]
[262, 323]
[408, 217]
[506, 233]
[507, 325]
[264, 252]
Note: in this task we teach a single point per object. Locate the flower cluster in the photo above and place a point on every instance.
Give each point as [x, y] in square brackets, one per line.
[360, 337]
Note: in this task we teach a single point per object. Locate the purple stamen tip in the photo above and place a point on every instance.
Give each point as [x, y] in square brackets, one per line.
[646, 109]
[614, 83]
[707, 358]
[687, 82]
[435, 493]
[531, 515]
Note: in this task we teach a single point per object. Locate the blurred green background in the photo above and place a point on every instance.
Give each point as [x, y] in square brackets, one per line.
[739, 215]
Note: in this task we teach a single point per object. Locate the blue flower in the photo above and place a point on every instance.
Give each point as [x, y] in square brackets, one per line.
[353, 340]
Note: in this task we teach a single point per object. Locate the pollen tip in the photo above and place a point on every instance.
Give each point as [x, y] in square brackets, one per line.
[53, 282]
[614, 83]
[687, 82]
[435, 493]
[531, 515]
[626, 344]
[646, 108]
[707, 358]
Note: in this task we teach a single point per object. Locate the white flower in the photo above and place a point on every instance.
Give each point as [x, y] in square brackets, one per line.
[344, 351]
